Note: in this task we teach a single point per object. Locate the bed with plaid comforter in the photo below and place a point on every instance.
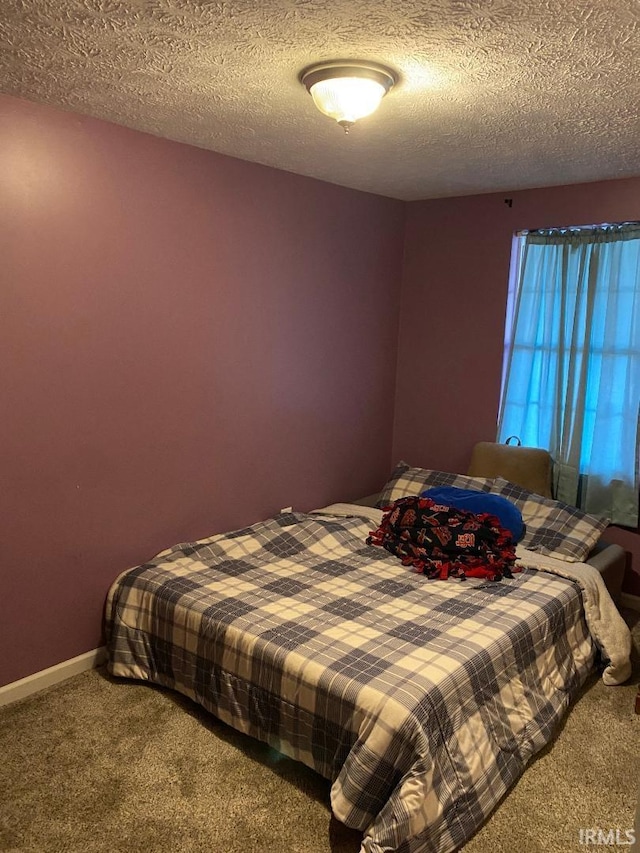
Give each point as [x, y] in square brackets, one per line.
[421, 700]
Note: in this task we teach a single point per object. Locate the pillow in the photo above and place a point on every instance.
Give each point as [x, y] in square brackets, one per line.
[552, 527]
[477, 502]
[406, 481]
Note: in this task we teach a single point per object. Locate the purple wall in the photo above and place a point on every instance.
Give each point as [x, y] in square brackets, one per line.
[189, 343]
[454, 292]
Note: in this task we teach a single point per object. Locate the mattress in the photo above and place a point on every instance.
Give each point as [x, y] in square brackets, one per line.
[421, 701]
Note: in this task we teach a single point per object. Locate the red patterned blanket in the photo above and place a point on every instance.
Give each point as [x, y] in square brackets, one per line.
[441, 541]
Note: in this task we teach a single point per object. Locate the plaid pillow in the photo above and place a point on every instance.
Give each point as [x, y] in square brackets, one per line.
[406, 481]
[552, 527]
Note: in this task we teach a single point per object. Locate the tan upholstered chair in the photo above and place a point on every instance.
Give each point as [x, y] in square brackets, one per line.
[529, 467]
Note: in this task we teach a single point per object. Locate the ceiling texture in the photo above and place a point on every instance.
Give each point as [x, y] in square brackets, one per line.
[492, 95]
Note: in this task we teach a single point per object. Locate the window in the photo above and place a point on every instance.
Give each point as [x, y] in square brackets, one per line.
[571, 381]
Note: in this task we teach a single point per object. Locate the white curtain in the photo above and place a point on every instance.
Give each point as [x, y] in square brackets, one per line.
[572, 362]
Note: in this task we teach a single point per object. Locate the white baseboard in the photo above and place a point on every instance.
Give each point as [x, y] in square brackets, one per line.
[630, 601]
[53, 675]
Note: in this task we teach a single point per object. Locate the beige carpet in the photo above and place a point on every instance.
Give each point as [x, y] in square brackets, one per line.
[97, 765]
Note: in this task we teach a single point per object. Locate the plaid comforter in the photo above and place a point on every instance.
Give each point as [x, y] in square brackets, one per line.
[421, 700]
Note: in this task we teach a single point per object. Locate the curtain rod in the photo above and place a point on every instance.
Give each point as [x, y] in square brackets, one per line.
[568, 229]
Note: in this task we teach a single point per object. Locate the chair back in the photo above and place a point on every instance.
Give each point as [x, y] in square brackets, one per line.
[529, 467]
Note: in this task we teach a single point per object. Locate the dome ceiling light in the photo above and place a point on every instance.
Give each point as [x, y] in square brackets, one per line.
[347, 90]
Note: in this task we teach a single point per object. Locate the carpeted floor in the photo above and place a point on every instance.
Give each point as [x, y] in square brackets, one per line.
[95, 765]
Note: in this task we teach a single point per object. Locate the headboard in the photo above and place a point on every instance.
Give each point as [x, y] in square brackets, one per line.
[529, 467]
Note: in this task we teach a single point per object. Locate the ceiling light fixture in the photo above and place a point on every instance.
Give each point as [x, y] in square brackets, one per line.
[347, 91]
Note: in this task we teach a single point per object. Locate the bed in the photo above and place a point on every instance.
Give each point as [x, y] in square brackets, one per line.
[421, 701]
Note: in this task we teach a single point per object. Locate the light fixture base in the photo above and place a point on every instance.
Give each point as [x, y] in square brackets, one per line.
[348, 68]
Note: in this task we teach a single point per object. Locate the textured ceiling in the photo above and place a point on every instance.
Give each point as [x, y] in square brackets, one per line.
[493, 94]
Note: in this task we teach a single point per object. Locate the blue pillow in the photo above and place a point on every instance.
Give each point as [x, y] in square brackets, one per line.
[508, 513]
